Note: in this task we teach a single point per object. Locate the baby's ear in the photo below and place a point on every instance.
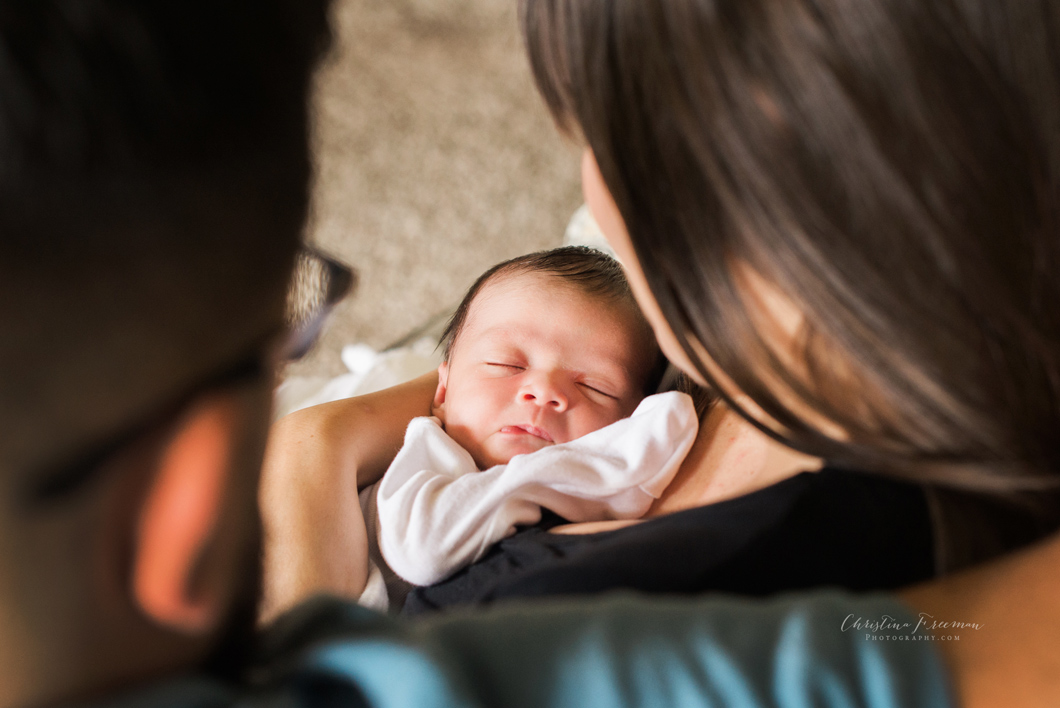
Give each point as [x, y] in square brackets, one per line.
[438, 404]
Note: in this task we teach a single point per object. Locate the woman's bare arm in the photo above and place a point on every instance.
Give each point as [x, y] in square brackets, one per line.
[316, 461]
[1013, 658]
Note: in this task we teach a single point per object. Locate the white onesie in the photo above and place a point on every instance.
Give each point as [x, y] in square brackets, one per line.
[434, 512]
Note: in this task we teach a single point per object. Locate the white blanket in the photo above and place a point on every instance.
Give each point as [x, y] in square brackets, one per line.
[437, 512]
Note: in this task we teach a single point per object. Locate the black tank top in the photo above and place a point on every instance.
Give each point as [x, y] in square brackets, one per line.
[832, 527]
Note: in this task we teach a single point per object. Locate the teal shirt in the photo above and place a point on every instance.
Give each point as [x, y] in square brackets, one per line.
[622, 650]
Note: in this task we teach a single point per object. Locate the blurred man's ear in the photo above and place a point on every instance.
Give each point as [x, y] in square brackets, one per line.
[438, 404]
[180, 513]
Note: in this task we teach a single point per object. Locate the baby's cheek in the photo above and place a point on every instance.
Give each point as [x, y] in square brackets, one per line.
[466, 438]
[628, 404]
[459, 433]
[594, 422]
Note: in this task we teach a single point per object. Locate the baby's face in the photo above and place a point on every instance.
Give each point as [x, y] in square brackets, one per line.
[537, 363]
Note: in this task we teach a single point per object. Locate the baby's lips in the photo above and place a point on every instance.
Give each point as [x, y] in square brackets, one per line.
[526, 429]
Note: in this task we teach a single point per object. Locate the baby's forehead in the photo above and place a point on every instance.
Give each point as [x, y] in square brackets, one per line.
[521, 306]
[530, 291]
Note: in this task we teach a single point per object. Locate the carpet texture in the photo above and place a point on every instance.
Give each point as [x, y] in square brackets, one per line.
[435, 159]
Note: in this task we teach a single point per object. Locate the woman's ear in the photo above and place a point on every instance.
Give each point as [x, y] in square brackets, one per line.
[438, 404]
[180, 513]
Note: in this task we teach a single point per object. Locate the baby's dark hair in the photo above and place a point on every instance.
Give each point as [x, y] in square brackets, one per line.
[593, 272]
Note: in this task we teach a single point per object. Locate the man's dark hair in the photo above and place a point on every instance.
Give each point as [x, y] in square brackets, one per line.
[591, 271]
[154, 165]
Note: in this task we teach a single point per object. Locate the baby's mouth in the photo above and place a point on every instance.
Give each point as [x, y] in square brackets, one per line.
[527, 430]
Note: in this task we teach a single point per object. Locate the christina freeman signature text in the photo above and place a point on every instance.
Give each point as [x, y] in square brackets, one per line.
[926, 628]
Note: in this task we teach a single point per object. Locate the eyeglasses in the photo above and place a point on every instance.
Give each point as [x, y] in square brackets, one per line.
[318, 283]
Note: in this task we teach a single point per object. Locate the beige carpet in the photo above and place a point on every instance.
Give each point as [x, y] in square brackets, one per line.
[435, 158]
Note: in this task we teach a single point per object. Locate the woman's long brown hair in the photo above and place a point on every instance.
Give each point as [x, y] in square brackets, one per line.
[892, 167]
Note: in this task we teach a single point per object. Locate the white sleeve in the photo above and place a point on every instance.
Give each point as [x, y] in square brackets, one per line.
[437, 513]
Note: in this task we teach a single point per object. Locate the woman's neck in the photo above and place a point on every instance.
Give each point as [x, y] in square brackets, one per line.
[730, 458]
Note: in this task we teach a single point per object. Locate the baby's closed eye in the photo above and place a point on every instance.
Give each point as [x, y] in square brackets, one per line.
[505, 365]
[596, 389]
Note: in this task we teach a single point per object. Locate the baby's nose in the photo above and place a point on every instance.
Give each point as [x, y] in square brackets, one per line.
[544, 393]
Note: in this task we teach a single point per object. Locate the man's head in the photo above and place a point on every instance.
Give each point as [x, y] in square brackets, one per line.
[543, 349]
[153, 184]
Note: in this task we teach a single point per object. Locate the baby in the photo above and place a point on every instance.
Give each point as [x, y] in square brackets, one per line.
[540, 404]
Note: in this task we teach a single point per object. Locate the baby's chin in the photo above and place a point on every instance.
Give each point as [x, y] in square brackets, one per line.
[500, 449]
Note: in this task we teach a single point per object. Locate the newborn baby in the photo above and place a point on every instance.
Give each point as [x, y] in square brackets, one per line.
[540, 404]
